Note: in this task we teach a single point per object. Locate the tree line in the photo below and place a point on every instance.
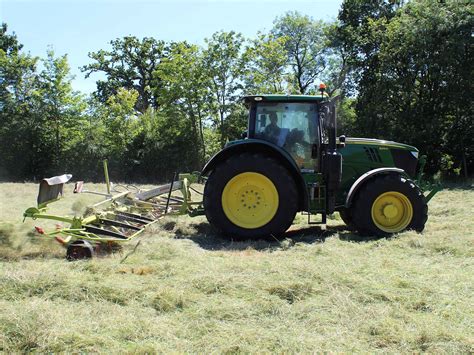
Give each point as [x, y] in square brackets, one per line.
[403, 72]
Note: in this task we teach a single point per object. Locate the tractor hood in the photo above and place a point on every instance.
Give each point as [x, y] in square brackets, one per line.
[402, 156]
[380, 143]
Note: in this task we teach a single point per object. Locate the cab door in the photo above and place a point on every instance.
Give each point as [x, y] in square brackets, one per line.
[292, 126]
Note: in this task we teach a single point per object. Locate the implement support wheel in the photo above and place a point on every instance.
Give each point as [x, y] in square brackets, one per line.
[78, 250]
[249, 196]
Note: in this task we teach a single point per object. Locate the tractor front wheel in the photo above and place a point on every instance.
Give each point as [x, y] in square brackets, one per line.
[250, 196]
[389, 204]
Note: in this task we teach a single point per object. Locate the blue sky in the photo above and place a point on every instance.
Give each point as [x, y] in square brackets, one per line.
[78, 27]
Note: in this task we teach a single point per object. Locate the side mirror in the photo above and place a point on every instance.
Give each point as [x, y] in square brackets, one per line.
[342, 142]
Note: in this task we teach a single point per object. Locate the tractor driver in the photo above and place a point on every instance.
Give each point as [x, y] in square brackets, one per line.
[298, 147]
[272, 131]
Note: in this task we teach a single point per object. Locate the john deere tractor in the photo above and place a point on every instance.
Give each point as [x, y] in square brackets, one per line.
[290, 160]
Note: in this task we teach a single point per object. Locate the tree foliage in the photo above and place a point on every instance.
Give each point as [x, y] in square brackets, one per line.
[412, 66]
[306, 46]
[224, 65]
[130, 64]
[41, 115]
[187, 89]
[267, 60]
[403, 71]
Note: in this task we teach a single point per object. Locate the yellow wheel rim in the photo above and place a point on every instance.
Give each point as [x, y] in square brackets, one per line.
[392, 212]
[250, 200]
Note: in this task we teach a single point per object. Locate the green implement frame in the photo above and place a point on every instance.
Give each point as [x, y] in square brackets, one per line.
[120, 217]
[433, 189]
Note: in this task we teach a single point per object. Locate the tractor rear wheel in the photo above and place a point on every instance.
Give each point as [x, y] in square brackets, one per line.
[389, 204]
[250, 196]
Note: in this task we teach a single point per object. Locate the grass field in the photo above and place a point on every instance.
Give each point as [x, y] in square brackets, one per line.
[185, 289]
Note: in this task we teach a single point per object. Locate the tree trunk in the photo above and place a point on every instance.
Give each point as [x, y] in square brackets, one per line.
[464, 163]
[201, 135]
[222, 128]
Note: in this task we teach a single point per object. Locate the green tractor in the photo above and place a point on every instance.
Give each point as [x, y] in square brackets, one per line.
[290, 160]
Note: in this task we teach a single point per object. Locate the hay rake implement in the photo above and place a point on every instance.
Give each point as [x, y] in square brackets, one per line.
[125, 213]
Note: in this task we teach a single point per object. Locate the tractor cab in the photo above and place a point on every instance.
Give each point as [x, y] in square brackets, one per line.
[293, 123]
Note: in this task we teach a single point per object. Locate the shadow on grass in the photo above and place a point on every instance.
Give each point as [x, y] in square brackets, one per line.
[12, 254]
[204, 235]
[454, 187]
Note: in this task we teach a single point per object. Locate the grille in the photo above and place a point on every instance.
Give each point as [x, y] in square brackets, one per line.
[373, 154]
[403, 159]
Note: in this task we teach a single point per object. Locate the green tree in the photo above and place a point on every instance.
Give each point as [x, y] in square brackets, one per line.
[163, 145]
[18, 79]
[426, 59]
[224, 65]
[41, 115]
[59, 108]
[130, 64]
[9, 42]
[306, 44]
[412, 66]
[267, 61]
[186, 90]
[358, 37]
[120, 120]
[90, 147]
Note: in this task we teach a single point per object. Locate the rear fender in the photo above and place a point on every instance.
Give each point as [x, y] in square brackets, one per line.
[367, 176]
[269, 149]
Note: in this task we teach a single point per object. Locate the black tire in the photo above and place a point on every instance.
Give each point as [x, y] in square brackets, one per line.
[346, 217]
[258, 163]
[78, 250]
[366, 196]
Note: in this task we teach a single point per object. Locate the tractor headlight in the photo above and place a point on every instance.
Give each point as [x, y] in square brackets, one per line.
[415, 154]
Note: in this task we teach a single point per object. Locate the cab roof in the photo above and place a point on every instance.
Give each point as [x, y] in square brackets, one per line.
[284, 98]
